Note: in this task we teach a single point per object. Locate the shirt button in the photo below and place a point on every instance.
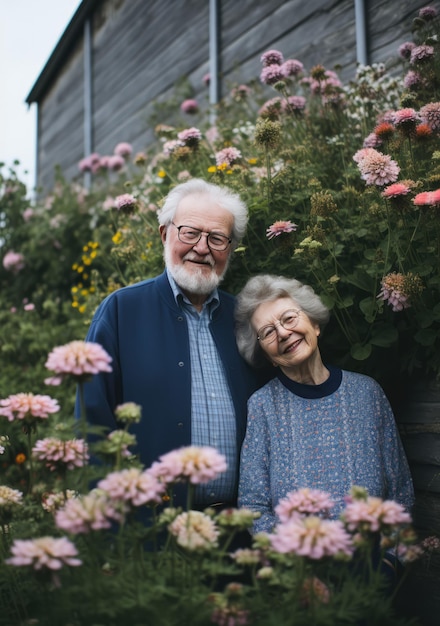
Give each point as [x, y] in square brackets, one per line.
[180, 424]
[180, 318]
[180, 363]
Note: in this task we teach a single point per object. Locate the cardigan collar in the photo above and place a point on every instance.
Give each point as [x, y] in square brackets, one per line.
[326, 388]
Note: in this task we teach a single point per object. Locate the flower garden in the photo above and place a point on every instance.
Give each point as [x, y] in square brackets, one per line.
[342, 183]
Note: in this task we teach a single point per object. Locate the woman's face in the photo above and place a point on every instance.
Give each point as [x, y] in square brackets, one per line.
[286, 347]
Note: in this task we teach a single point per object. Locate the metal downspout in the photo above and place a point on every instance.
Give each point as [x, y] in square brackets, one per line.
[88, 101]
[214, 57]
[361, 32]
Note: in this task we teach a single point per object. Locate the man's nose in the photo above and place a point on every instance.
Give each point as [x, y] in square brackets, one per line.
[201, 246]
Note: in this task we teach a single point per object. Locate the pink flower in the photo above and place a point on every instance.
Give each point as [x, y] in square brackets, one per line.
[126, 203]
[58, 455]
[227, 156]
[411, 79]
[44, 552]
[90, 163]
[406, 48]
[230, 616]
[189, 106]
[406, 116]
[206, 79]
[303, 501]
[421, 53]
[94, 511]
[294, 103]
[279, 227]
[115, 162]
[272, 108]
[195, 531]
[376, 168]
[427, 198]
[312, 537]
[271, 74]
[23, 406]
[170, 146]
[241, 92]
[77, 358]
[123, 149]
[29, 307]
[374, 515]
[272, 57]
[133, 486]
[28, 214]
[372, 141]
[190, 136]
[430, 115]
[292, 67]
[9, 497]
[393, 291]
[13, 261]
[428, 13]
[194, 464]
[396, 190]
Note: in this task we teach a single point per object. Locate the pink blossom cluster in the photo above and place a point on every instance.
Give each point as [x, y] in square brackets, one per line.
[190, 136]
[276, 69]
[13, 261]
[376, 168]
[57, 454]
[195, 531]
[227, 156]
[280, 227]
[393, 291]
[312, 537]
[230, 616]
[374, 514]
[189, 106]
[27, 405]
[427, 198]
[114, 162]
[125, 203]
[430, 115]
[192, 463]
[94, 511]
[54, 500]
[133, 486]
[406, 116]
[329, 87]
[44, 552]
[421, 53]
[303, 501]
[77, 358]
[170, 146]
[396, 190]
[9, 497]
[405, 49]
[241, 92]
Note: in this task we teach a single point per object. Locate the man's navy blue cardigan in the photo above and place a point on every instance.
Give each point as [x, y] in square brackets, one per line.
[146, 334]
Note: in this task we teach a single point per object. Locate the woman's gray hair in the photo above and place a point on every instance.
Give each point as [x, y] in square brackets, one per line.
[268, 288]
[221, 196]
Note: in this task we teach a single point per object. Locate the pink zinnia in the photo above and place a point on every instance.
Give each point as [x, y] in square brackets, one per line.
[134, 486]
[195, 464]
[227, 156]
[312, 537]
[94, 511]
[59, 455]
[427, 198]
[396, 190]
[292, 67]
[374, 514]
[13, 261]
[303, 501]
[24, 406]
[430, 115]
[123, 149]
[280, 227]
[189, 106]
[271, 74]
[77, 358]
[272, 57]
[44, 552]
[377, 168]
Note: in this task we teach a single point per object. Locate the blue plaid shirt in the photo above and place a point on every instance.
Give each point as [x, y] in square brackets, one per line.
[212, 410]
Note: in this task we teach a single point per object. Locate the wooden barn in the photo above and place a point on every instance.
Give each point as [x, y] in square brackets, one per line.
[117, 58]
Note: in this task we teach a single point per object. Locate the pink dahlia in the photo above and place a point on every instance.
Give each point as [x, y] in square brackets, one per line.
[195, 531]
[58, 455]
[227, 156]
[430, 115]
[13, 261]
[26, 406]
[133, 486]
[303, 501]
[374, 515]
[77, 358]
[312, 537]
[123, 149]
[194, 464]
[280, 227]
[189, 106]
[94, 511]
[377, 168]
[396, 190]
[271, 74]
[44, 552]
[272, 57]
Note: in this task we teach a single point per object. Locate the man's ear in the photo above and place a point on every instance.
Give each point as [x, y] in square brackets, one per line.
[163, 232]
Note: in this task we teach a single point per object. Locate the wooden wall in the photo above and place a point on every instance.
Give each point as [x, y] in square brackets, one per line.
[142, 50]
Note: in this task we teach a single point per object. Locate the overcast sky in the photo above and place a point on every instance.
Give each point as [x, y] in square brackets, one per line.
[29, 31]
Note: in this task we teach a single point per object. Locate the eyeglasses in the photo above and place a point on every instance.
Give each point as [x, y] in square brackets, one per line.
[288, 320]
[191, 236]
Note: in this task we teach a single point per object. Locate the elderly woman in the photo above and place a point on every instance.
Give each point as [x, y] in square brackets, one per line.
[313, 425]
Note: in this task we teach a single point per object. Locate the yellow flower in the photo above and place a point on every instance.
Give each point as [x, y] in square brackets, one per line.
[212, 169]
[74, 289]
[161, 173]
[117, 237]
[75, 304]
[82, 308]
[252, 161]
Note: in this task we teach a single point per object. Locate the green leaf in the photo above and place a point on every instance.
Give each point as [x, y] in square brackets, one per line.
[360, 352]
[426, 337]
[384, 336]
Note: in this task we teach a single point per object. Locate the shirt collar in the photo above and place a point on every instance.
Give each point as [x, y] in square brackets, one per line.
[211, 302]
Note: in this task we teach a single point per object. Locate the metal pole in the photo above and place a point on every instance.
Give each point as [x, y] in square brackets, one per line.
[361, 32]
[214, 71]
[88, 98]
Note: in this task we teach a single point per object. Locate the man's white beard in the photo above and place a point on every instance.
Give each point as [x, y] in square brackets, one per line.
[196, 282]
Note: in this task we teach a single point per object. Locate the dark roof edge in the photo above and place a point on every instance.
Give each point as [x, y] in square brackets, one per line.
[58, 56]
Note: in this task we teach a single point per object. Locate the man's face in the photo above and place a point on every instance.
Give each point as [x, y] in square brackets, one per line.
[195, 267]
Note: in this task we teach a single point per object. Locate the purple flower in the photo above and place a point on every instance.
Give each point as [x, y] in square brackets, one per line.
[189, 106]
[421, 53]
[292, 67]
[227, 156]
[126, 203]
[406, 48]
[430, 115]
[190, 137]
[428, 13]
[123, 149]
[271, 74]
[272, 57]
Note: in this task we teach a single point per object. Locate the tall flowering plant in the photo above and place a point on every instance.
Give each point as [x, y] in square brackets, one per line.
[124, 551]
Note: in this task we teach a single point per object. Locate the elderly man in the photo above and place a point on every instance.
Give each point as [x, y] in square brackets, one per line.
[172, 340]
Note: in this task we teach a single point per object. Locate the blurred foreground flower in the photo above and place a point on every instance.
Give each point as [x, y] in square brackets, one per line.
[79, 359]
